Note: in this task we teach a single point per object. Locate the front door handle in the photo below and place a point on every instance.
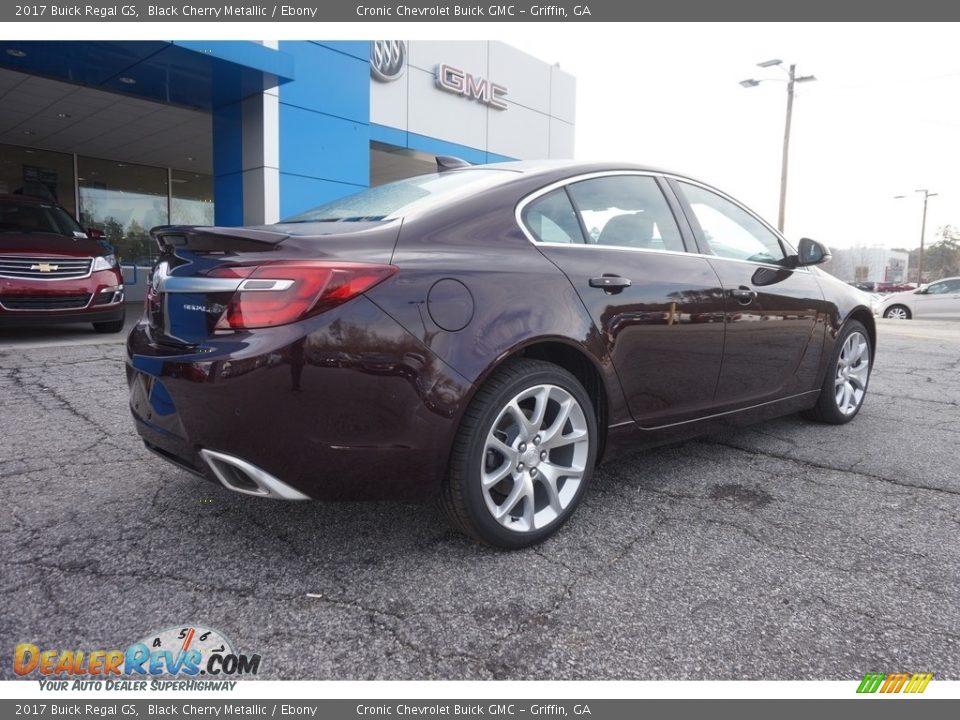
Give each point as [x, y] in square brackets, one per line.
[610, 283]
[743, 294]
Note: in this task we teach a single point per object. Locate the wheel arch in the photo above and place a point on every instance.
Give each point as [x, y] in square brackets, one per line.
[865, 317]
[574, 359]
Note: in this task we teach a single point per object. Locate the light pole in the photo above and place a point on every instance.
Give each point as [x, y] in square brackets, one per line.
[792, 79]
[923, 229]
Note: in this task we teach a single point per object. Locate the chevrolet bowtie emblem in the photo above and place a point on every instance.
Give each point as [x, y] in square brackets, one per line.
[45, 267]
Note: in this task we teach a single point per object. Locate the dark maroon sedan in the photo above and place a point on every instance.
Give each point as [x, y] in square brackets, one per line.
[484, 336]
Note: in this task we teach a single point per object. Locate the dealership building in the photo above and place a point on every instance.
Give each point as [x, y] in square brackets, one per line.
[129, 135]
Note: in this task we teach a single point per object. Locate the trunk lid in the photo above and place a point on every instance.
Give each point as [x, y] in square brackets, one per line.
[202, 269]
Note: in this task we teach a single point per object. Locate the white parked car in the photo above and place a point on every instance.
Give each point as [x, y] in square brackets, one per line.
[940, 299]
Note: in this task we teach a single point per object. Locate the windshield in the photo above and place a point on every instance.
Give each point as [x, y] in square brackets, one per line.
[34, 217]
[400, 198]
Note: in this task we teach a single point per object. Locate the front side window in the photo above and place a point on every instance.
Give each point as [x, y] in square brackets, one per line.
[552, 219]
[730, 231]
[627, 211]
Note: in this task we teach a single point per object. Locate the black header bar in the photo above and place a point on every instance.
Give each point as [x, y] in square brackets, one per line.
[93, 11]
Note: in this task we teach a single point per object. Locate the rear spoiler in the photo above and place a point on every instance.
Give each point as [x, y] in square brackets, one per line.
[215, 239]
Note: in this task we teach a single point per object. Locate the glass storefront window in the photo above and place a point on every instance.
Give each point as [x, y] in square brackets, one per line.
[191, 198]
[124, 201]
[38, 172]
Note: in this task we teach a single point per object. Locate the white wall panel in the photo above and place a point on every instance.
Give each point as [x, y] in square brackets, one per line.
[527, 79]
[563, 95]
[388, 101]
[443, 115]
[561, 139]
[519, 132]
[469, 55]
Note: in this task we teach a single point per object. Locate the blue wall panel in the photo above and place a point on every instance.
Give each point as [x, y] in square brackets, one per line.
[359, 49]
[328, 81]
[324, 124]
[325, 147]
[228, 165]
[389, 135]
[228, 199]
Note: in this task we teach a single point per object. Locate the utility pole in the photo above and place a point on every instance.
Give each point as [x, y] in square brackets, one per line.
[792, 80]
[792, 75]
[923, 229]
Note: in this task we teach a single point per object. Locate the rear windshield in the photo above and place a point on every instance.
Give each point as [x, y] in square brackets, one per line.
[400, 198]
[34, 217]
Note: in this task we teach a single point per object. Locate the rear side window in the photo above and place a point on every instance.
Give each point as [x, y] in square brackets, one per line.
[627, 211]
[552, 219]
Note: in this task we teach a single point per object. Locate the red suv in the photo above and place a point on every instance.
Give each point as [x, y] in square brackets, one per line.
[52, 272]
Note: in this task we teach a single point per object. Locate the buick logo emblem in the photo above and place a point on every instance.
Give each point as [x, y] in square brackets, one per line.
[387, 59]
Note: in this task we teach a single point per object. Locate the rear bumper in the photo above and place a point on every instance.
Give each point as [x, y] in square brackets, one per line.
[343, 406]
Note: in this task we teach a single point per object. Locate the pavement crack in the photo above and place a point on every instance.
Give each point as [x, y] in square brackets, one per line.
[36, 392]
[951, 403]
[824, 466]
[887, 622]
[93, 570]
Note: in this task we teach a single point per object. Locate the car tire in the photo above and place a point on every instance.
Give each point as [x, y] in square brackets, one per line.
[111, 326]
[897, 312]
[512, 483]
[847, 378]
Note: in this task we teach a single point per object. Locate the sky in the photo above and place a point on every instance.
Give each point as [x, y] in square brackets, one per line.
[882, 118]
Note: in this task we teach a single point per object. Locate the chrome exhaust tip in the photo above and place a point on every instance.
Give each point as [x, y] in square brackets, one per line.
[246, 478]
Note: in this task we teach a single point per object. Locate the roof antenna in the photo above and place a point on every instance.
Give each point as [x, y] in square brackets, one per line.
[449, 162]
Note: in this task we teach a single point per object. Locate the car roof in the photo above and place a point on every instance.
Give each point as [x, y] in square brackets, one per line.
[557, 170]
[535, 167]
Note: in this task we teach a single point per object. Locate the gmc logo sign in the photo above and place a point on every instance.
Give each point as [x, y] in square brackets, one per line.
[457, 81]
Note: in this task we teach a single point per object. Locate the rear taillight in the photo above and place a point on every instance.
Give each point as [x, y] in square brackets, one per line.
[283, 292]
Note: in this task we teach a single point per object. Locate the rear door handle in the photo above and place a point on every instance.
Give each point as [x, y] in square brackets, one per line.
[743, 294]
[610, 283]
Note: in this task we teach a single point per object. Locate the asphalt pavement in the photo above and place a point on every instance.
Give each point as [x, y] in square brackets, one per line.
[788, 550]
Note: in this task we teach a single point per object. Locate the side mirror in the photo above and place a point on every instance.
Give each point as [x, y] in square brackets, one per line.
[811, 252]
[920, 291]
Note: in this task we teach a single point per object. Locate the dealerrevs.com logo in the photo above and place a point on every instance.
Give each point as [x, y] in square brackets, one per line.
[172, 659]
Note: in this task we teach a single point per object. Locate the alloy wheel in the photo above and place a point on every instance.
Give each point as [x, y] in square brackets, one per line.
[534, 458]
[853, 370]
